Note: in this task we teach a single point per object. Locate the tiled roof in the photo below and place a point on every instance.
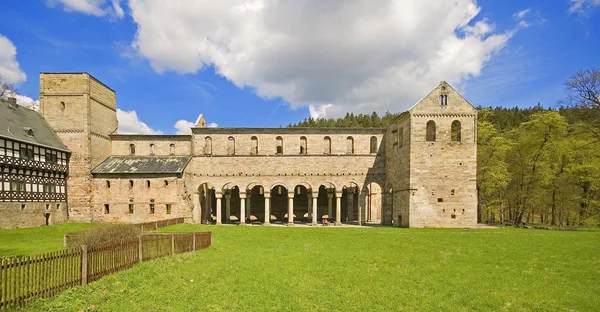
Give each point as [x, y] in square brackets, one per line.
[142, 165]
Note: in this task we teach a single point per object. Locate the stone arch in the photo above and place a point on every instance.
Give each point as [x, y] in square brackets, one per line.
[207, 145]
[279, 183]
[350, 209]
[279, 202]
[204, 204]
[229, 186]
[374, 202]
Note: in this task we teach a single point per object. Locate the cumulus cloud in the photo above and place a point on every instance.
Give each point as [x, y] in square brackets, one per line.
[10, 72]
[185, 126]
[24, 100]
[582, 7]
[352, 55]
[90, 7]
[129, 123]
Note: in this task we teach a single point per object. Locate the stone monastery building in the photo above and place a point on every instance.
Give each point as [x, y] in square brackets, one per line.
[67, 163]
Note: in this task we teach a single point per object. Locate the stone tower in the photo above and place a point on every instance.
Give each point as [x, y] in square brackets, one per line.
[432, 162]
[82, 111]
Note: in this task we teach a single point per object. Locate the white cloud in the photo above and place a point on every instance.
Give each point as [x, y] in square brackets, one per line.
[10, 72]
[521, 14]
[129, 123]
[354, 55]
[25, 100]
[185, 126]
[582, 7]
[318, 111]
[91, 7]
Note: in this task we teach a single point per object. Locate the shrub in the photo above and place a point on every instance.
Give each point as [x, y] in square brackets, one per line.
[104, 234]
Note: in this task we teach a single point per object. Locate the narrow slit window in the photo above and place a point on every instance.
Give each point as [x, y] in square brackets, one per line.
[168, 208]
[430, 132]
[349, 145]
[106, 208]
[303, 145]
[152, 149]
[130, 208]
[131, 149]
[327, 145]
[456, 131]
[253, 145]
[172, 149]
[147, 183]
[373, 145]
[231, 146]
[207, 145]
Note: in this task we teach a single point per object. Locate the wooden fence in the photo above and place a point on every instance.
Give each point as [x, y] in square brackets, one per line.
[22, 279]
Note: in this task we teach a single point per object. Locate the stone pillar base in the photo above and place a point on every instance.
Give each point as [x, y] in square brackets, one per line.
[339, 224]
[314, 223]
[242, 223]
[267, 224]
[219, 222]
[291, 224]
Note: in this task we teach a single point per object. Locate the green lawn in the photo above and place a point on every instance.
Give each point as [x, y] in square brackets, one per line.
[357, 269]
[36, 240]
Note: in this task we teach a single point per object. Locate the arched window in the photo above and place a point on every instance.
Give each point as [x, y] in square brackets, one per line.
[131, 149]
[455, 136]
[230, 146]
[327, 145]
[253, 145]
[130, 184]
[400, 137]
[430, 135]
[107, 184]
[147, 183]
[207, 146]
[166, 183]
[373, 145]
[62, 105]
[303, 145]
[172, 149]
[349, 145]
[279, 142]
[152, 149]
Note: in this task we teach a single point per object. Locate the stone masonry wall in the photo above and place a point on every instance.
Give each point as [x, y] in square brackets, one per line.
[15, 215]
[162, 143]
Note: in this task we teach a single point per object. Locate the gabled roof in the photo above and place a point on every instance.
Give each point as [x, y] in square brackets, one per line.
[26, 125]
[142, 165]
[444, 88]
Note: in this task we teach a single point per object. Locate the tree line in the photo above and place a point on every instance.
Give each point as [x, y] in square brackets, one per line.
[534, 165]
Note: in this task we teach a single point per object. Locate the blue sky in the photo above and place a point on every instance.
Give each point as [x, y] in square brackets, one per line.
[266, 63]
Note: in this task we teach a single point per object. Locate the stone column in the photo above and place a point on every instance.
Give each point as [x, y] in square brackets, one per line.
[338, 208]
[309, 203]
[227, 207]
[350, 204]
[197, 208]
[314, 208]
[267, 208]
[291, 209]
[242, 209]
[218, 196]
[330, 205]
[207, 207]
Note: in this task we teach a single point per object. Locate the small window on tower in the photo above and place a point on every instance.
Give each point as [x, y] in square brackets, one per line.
[62, 105]
[130, 208]
[106, 208]
[168, 208]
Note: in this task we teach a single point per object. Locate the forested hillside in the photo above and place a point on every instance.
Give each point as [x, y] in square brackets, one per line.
[535, 165]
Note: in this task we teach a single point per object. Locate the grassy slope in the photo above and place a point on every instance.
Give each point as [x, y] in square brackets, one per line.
[36, 240]
[272, 268]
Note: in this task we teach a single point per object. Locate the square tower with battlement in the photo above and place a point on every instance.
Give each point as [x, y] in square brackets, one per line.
[82, 112]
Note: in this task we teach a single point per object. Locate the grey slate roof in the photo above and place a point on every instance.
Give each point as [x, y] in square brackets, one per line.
[142, 165]
[16, 120]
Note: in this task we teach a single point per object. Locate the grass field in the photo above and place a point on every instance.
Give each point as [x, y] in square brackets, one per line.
[36, 240]
[357, 269]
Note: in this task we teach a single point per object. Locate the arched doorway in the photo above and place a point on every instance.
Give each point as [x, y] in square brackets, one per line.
[255, 204]
[373, 211]
[279, 203]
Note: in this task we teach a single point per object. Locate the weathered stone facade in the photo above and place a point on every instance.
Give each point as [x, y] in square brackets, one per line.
[393, 176]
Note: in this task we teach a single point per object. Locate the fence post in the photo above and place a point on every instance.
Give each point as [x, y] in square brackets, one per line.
[140, 248]
[194, 241]
[172, 244]
[84, 265]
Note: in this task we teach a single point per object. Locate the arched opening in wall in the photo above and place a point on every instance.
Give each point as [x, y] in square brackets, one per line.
[374, 201]
[349, 145]
[130, 184]
[230, 146]
[456, 131]
[152, 149]
[172, 149]
[303, 145]
[207, 146]
[255, 204]
[131, 149]
[350, 197]
[279, 145]
[148, 183]
[231, 204]
[166, 183]
[253, 145]
[279, 203]
[400, 137]
[326, 203]
[373, 145]
[302, 211]
[430, 131]
[207, 203]
[327, 145]
[107, 184]
[63, 106]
